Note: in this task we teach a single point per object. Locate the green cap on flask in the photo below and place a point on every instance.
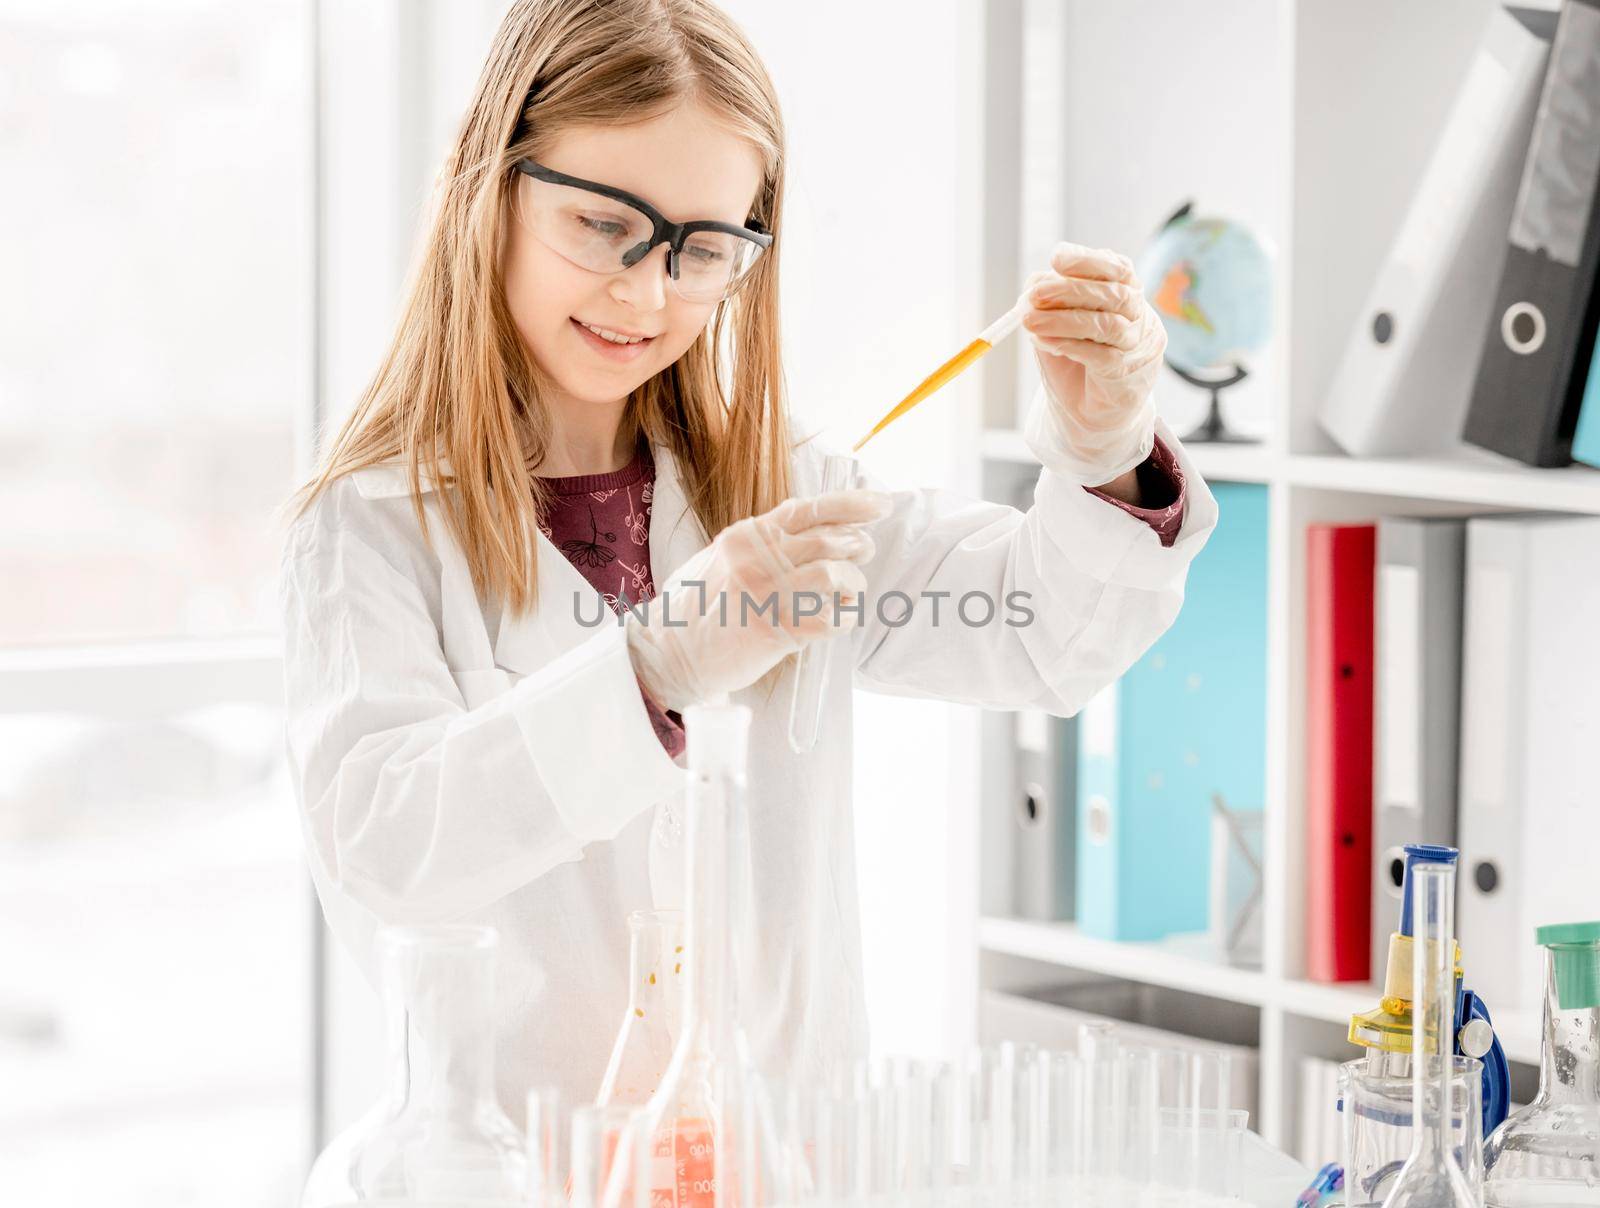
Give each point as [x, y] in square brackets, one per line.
[1575, 951]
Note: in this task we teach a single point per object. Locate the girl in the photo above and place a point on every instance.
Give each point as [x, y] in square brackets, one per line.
[584, 395]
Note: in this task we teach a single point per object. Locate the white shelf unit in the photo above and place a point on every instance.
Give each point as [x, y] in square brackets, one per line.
[1464, 476]
[1270, 131]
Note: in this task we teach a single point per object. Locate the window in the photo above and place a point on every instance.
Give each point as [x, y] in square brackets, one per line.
[155, 228]
[156, 997]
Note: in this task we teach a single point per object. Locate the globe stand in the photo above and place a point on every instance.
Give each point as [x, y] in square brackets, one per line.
[1212, 430]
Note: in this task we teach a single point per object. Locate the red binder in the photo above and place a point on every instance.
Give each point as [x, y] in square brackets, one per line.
[1340, 566]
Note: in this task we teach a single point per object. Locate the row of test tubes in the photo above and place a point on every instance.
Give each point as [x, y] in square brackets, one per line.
[1111, 1125]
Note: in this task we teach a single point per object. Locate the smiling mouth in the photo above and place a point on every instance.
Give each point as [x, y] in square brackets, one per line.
[611, 335]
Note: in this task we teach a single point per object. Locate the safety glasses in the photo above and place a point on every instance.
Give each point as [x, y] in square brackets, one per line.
[607, 230]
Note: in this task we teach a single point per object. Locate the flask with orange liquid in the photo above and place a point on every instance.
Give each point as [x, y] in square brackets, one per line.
[713, 1143]
[650, 1026]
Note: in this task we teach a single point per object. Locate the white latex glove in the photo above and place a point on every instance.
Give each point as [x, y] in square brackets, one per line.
[1099, 344]
[814, 545]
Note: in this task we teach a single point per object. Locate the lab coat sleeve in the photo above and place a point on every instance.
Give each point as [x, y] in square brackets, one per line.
[415, 805]
[1080, 589]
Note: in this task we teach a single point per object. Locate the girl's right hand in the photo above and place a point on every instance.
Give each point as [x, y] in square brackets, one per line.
[728, 615]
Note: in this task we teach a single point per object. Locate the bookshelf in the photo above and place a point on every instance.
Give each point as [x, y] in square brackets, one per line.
[1272, 133]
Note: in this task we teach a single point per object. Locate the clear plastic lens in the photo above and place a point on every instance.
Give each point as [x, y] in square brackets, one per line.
[592, 231]
[602, 235]
[712, 262]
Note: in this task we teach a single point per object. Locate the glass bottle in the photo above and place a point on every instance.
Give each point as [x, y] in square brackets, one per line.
[439, 1136]
[1432, 1176]
[711, 1128]
[1549, 1152]
[649, 1029]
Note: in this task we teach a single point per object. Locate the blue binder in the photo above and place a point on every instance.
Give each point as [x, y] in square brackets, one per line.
[1186, 722]
[1586, 440]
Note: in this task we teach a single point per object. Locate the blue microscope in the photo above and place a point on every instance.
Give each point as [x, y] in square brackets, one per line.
[1386, 1031]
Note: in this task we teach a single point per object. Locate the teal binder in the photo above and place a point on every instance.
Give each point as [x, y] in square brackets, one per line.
[1586, 440]
[1186, 722]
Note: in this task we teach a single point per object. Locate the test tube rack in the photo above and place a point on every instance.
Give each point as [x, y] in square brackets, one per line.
[1112, 1125]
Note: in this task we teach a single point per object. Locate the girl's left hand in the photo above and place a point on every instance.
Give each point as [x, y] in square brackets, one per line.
[1099, 344]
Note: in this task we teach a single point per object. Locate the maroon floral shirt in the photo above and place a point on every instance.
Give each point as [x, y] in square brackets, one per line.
[601, 522]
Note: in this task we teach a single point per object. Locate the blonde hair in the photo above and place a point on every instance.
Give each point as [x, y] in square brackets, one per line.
[457, 383]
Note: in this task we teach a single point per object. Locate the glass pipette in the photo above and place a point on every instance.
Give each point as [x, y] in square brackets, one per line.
[953, 368]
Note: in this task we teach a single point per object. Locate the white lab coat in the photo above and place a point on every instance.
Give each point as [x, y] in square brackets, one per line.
[456, 763]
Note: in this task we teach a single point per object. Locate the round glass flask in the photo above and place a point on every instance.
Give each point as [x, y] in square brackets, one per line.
[439, 1136]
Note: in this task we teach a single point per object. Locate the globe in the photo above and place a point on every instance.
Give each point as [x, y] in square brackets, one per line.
[1210, 280]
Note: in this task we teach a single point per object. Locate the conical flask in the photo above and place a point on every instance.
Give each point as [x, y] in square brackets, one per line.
[1549, 1152]
[713, 1142]
[1433, 1176]
[650, 1026]
[439, 1136]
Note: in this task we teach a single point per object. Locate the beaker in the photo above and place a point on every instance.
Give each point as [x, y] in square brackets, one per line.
[440, 1134]
[649, 1029]
[1375, 1121]
[839, 473]
[1549, 1152]
[1433, 1175]
[710, 1123]
[1199, 1136]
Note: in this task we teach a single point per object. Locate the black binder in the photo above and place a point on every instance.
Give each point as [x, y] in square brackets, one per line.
[1542, 328]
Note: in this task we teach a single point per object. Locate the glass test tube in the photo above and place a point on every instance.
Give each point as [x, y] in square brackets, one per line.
[1101, 1120]
[856, 1152]
[547, 1147]
[1033, 1116]
[597, 1132]
[1002, 1121]
[942, 1134]
[839, 473]
[1065, 1108]
[1142, 1087]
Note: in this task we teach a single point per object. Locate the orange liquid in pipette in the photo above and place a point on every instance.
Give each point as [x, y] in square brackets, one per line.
[950, 369]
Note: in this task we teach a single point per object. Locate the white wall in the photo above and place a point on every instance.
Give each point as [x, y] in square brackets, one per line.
[1198, 113]
[881, 270]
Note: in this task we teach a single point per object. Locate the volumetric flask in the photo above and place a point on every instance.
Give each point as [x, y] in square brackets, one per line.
[710, 1128]
[839, 473]
[1434, 1175]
